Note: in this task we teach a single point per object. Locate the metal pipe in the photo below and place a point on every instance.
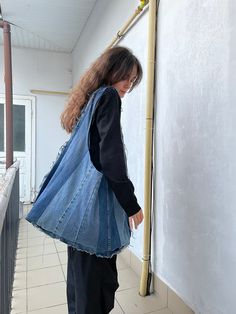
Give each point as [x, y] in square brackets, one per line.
[8, 93]
[48, 92]
[145, 276]
[124, 29]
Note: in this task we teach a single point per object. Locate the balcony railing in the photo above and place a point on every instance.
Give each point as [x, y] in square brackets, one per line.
[9, 225]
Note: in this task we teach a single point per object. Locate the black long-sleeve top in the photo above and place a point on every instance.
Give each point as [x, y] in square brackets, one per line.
[107, 149]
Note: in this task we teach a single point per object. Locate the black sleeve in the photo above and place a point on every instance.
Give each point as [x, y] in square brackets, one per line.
[112, 156]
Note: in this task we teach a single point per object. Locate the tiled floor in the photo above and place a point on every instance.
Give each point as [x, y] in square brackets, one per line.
[40, 279]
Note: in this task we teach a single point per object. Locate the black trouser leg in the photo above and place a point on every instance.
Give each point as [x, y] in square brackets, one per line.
[110, 285]
[70, 287]
[91, 283]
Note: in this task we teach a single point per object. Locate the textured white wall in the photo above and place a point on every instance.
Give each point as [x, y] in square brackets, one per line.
[33, 69]
[133, 123]
[196, 152]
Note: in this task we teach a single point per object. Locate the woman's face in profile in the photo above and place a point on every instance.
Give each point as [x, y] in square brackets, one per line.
[124, 86]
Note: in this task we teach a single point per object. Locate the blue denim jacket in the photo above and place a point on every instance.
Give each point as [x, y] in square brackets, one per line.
[75, 203]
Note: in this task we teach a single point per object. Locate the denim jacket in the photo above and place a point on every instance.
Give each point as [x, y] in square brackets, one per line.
[75, 203]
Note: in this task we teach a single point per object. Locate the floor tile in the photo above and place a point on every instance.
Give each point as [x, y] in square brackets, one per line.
[61, 247]
[32, 227]
[19, 281]
[23, 228]
[22, 235]
[132, 303]
[35, 233]
[44, 276]
[125, 254]
[21, 253]
[23, 222]
[64, 268]
[18, 301]
[127, 279]
[117, 309]
[46, 296]
[20, 265]
[39, 241]
[165, 311]
[47, 260]
[22, 243]
[41, 250]
[176, 305]
[59, 309]
[121, 264]
[63, 257]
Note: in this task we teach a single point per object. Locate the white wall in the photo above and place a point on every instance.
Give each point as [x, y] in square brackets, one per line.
[34, 69]
[196, 152]
[195, 137]
[133, 123]
[105, 21]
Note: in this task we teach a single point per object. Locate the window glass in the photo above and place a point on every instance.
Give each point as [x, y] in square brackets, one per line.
[1, 127]
[19, 128]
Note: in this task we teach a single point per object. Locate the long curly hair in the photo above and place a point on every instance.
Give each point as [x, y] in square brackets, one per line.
[109, 68]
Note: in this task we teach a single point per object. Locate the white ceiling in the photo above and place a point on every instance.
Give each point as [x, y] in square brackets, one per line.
[46, 24]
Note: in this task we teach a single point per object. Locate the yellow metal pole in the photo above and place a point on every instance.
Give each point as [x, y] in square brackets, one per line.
[48, 92]
[122, 31]
[149, 145]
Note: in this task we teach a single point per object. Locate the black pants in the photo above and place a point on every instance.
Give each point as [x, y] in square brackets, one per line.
[91, 283]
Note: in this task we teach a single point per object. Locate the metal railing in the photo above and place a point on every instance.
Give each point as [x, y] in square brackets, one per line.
[9, 226]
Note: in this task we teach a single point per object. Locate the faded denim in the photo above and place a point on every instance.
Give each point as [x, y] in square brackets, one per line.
[75, 203]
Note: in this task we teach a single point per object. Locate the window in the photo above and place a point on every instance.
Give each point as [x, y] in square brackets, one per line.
[1, 127]
[18, 128]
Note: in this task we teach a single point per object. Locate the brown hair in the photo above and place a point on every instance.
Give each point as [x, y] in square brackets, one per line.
[111, 67]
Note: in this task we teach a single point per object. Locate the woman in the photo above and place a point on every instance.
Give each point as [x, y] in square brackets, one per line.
[87, 199]
[92, 280]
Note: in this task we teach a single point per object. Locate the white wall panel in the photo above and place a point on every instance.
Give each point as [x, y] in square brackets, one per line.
[196, 151]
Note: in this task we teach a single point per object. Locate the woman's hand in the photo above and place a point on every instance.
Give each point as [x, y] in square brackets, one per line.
[135, 220]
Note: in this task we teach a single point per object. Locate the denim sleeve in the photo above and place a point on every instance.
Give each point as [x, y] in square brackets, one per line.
[112, 154]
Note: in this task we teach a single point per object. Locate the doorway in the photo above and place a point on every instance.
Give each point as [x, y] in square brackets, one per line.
[23, 142]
